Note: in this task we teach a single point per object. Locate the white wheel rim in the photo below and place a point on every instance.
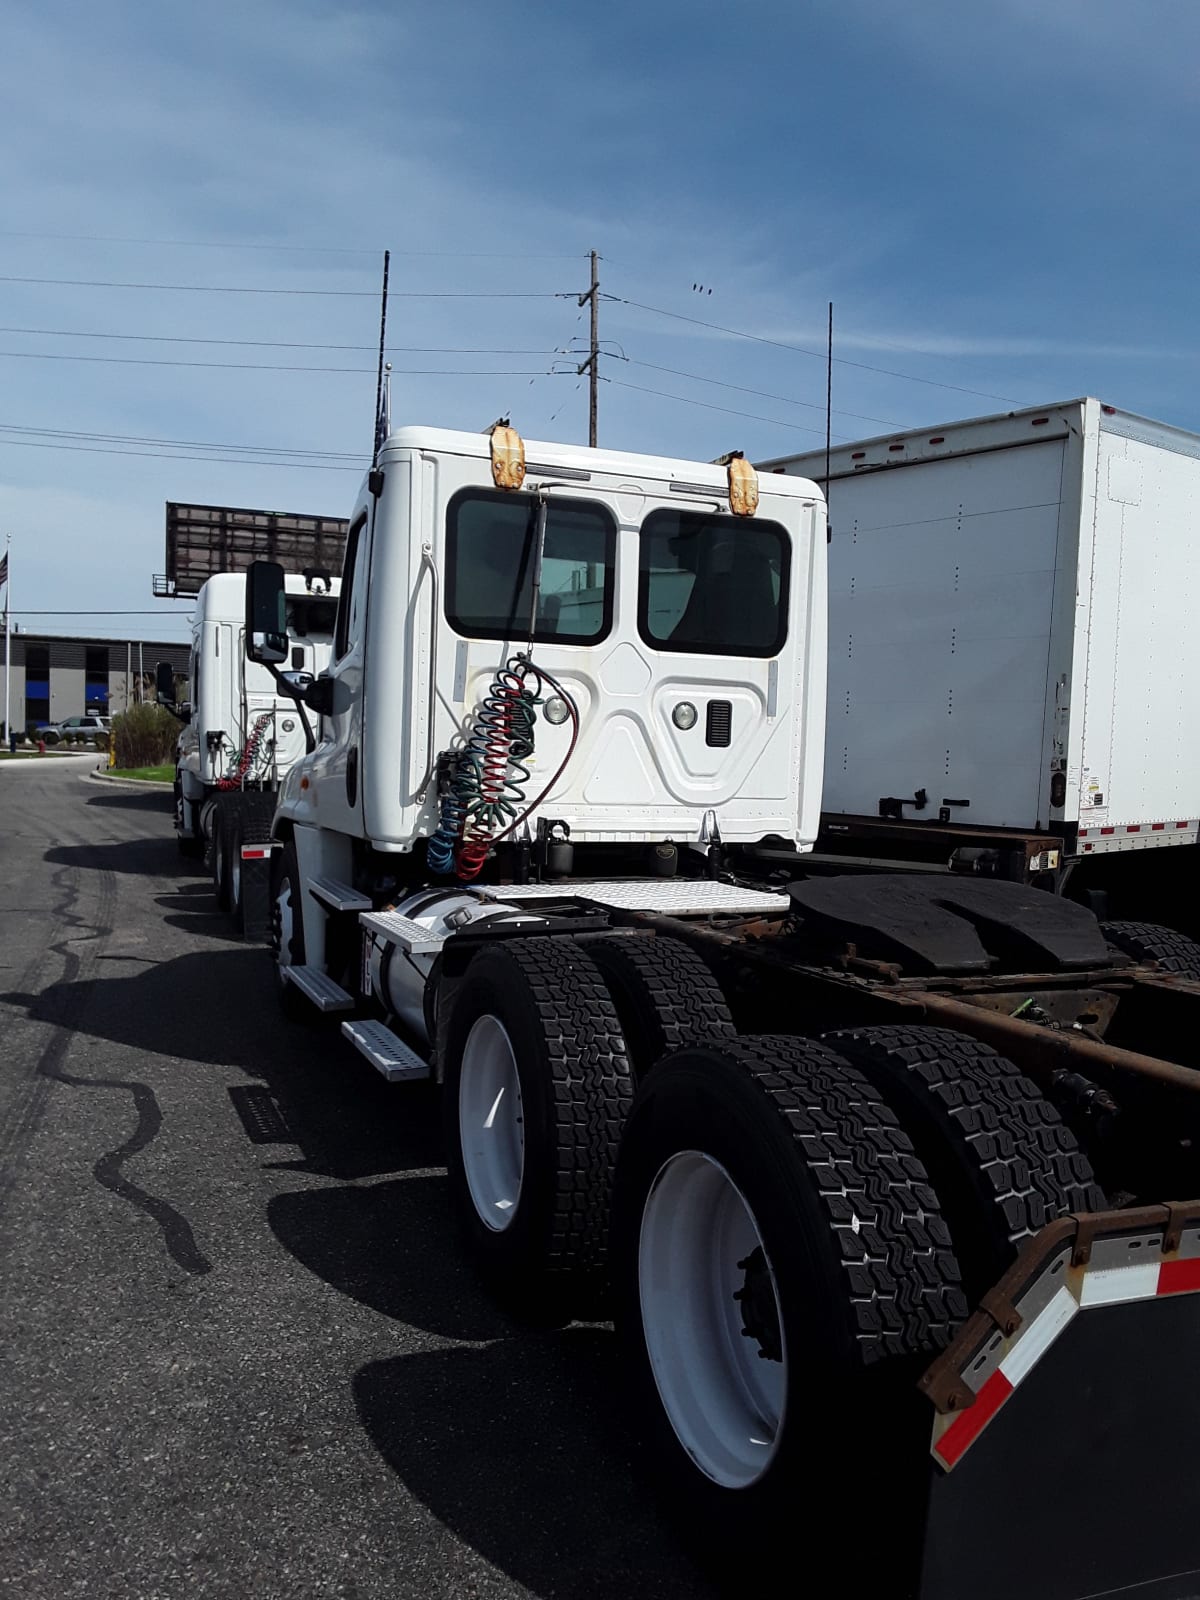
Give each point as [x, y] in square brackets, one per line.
[724, 1399]
[283, 909]
[491, 1123]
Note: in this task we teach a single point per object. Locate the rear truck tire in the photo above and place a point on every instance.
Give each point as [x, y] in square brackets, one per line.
[1148, 941]
[997, 1152]
[535, 1092]
[223, 819]
[236, 834]
[287, 931]
[781, 1276]
[189, 845]
[665, 994]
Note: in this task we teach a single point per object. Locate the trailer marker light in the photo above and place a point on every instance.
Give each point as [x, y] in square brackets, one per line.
[1157, 827]
[940, 439]
[1039, 422]
[1181, 824]
[1083, 833]
[1134, 827]
[894, 447]
[857, 455]
[1107, 830]
[1109, 411]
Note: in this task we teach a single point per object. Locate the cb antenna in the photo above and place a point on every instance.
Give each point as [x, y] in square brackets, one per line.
[381, 418]
[828, 419]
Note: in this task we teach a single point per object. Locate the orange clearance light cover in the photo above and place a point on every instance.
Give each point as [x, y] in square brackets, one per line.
[508, 457]
[743, 487]
[304, 783]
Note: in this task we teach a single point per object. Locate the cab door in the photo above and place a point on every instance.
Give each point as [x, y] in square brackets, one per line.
[337, 763]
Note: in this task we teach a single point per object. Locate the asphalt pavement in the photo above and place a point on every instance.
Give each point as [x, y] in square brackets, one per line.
[243, 1353]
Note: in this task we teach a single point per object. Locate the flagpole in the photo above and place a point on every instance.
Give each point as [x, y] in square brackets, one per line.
[7, 639]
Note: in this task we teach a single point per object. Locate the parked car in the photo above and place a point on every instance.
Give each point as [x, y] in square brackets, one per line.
[95, 728]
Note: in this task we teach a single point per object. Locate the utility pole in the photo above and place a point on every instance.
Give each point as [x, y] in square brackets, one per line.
[592, 365]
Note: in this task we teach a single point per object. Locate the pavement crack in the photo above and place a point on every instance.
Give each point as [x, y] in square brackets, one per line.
[177, 1232]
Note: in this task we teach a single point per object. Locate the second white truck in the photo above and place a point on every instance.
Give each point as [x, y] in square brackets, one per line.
[243, 731]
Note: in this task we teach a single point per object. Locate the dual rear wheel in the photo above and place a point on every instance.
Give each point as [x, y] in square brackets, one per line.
[781, 1227]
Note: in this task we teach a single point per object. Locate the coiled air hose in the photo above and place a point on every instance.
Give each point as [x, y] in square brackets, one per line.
[484, 799]
[250, 753]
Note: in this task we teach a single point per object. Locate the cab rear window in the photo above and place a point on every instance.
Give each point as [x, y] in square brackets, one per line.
[489, 568]
[713, 585]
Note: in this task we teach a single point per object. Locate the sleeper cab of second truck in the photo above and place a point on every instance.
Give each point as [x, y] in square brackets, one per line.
[692, 640]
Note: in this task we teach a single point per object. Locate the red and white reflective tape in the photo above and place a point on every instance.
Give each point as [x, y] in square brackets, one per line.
[257, 852]
[1111, 838]
[1081, 1290]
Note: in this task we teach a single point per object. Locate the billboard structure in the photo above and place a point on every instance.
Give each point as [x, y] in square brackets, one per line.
[205, 540]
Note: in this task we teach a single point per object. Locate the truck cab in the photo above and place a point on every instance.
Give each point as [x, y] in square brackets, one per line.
[677, 649]
[243, 730]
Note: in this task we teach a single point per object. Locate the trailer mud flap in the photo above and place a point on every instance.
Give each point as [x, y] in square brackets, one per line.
[1066, 1436]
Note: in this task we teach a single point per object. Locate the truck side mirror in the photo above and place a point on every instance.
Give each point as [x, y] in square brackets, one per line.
[266, 614]
[318, 696]
[164, 683]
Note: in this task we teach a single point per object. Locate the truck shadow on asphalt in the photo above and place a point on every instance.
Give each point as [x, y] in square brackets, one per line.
[520, 1450]
[216, 1008]
[147, 858]
[515, 1439]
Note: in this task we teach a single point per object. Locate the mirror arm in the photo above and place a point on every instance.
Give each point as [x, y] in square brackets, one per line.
[292, 693]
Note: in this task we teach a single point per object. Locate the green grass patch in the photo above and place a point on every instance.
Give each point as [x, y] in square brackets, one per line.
[148, 774]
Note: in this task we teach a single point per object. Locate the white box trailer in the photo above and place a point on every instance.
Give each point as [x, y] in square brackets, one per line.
[1012, 627]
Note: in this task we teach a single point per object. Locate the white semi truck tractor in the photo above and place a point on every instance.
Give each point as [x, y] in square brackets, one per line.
[878, 1171]
[243, 727]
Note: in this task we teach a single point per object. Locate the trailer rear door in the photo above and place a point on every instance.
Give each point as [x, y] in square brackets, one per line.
[941, 579]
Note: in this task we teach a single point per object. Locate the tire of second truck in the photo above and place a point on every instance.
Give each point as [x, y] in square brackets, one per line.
[287, 931]
[223, 821]
[1002, 1160]
[536, 1088]
[1147, 941]
[781, 1275]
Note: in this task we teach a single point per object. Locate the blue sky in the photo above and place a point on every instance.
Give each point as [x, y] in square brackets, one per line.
[999, 198]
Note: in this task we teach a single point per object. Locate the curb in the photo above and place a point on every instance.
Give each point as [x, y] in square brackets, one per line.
[102, 776]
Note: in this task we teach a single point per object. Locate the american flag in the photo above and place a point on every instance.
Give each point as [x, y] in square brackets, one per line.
[3, 569]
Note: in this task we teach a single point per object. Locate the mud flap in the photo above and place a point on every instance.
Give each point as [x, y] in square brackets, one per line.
[256, 891]
[1066, 1437]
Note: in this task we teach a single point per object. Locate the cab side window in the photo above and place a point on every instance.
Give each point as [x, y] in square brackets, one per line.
[349, 602]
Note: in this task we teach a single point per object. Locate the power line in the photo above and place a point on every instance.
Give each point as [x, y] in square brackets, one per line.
[708, 406]
[344, 294]
[166, 455]
[300, 249]
[194, 444]
[277, 344]
[763, 394]
[782, 344]
[264, 366]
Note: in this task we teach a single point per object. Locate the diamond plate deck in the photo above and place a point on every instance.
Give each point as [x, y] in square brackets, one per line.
[338, 896]
[673, 897]
[397, 1061]
[402, 931]
[320, 988]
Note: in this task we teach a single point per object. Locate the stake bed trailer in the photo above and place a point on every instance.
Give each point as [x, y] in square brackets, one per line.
[754, 1108]
[1012, 649]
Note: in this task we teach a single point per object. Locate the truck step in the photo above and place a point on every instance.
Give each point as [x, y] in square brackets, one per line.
[398, 1062]
[338, 896]
[320, 988]
[403, 932]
